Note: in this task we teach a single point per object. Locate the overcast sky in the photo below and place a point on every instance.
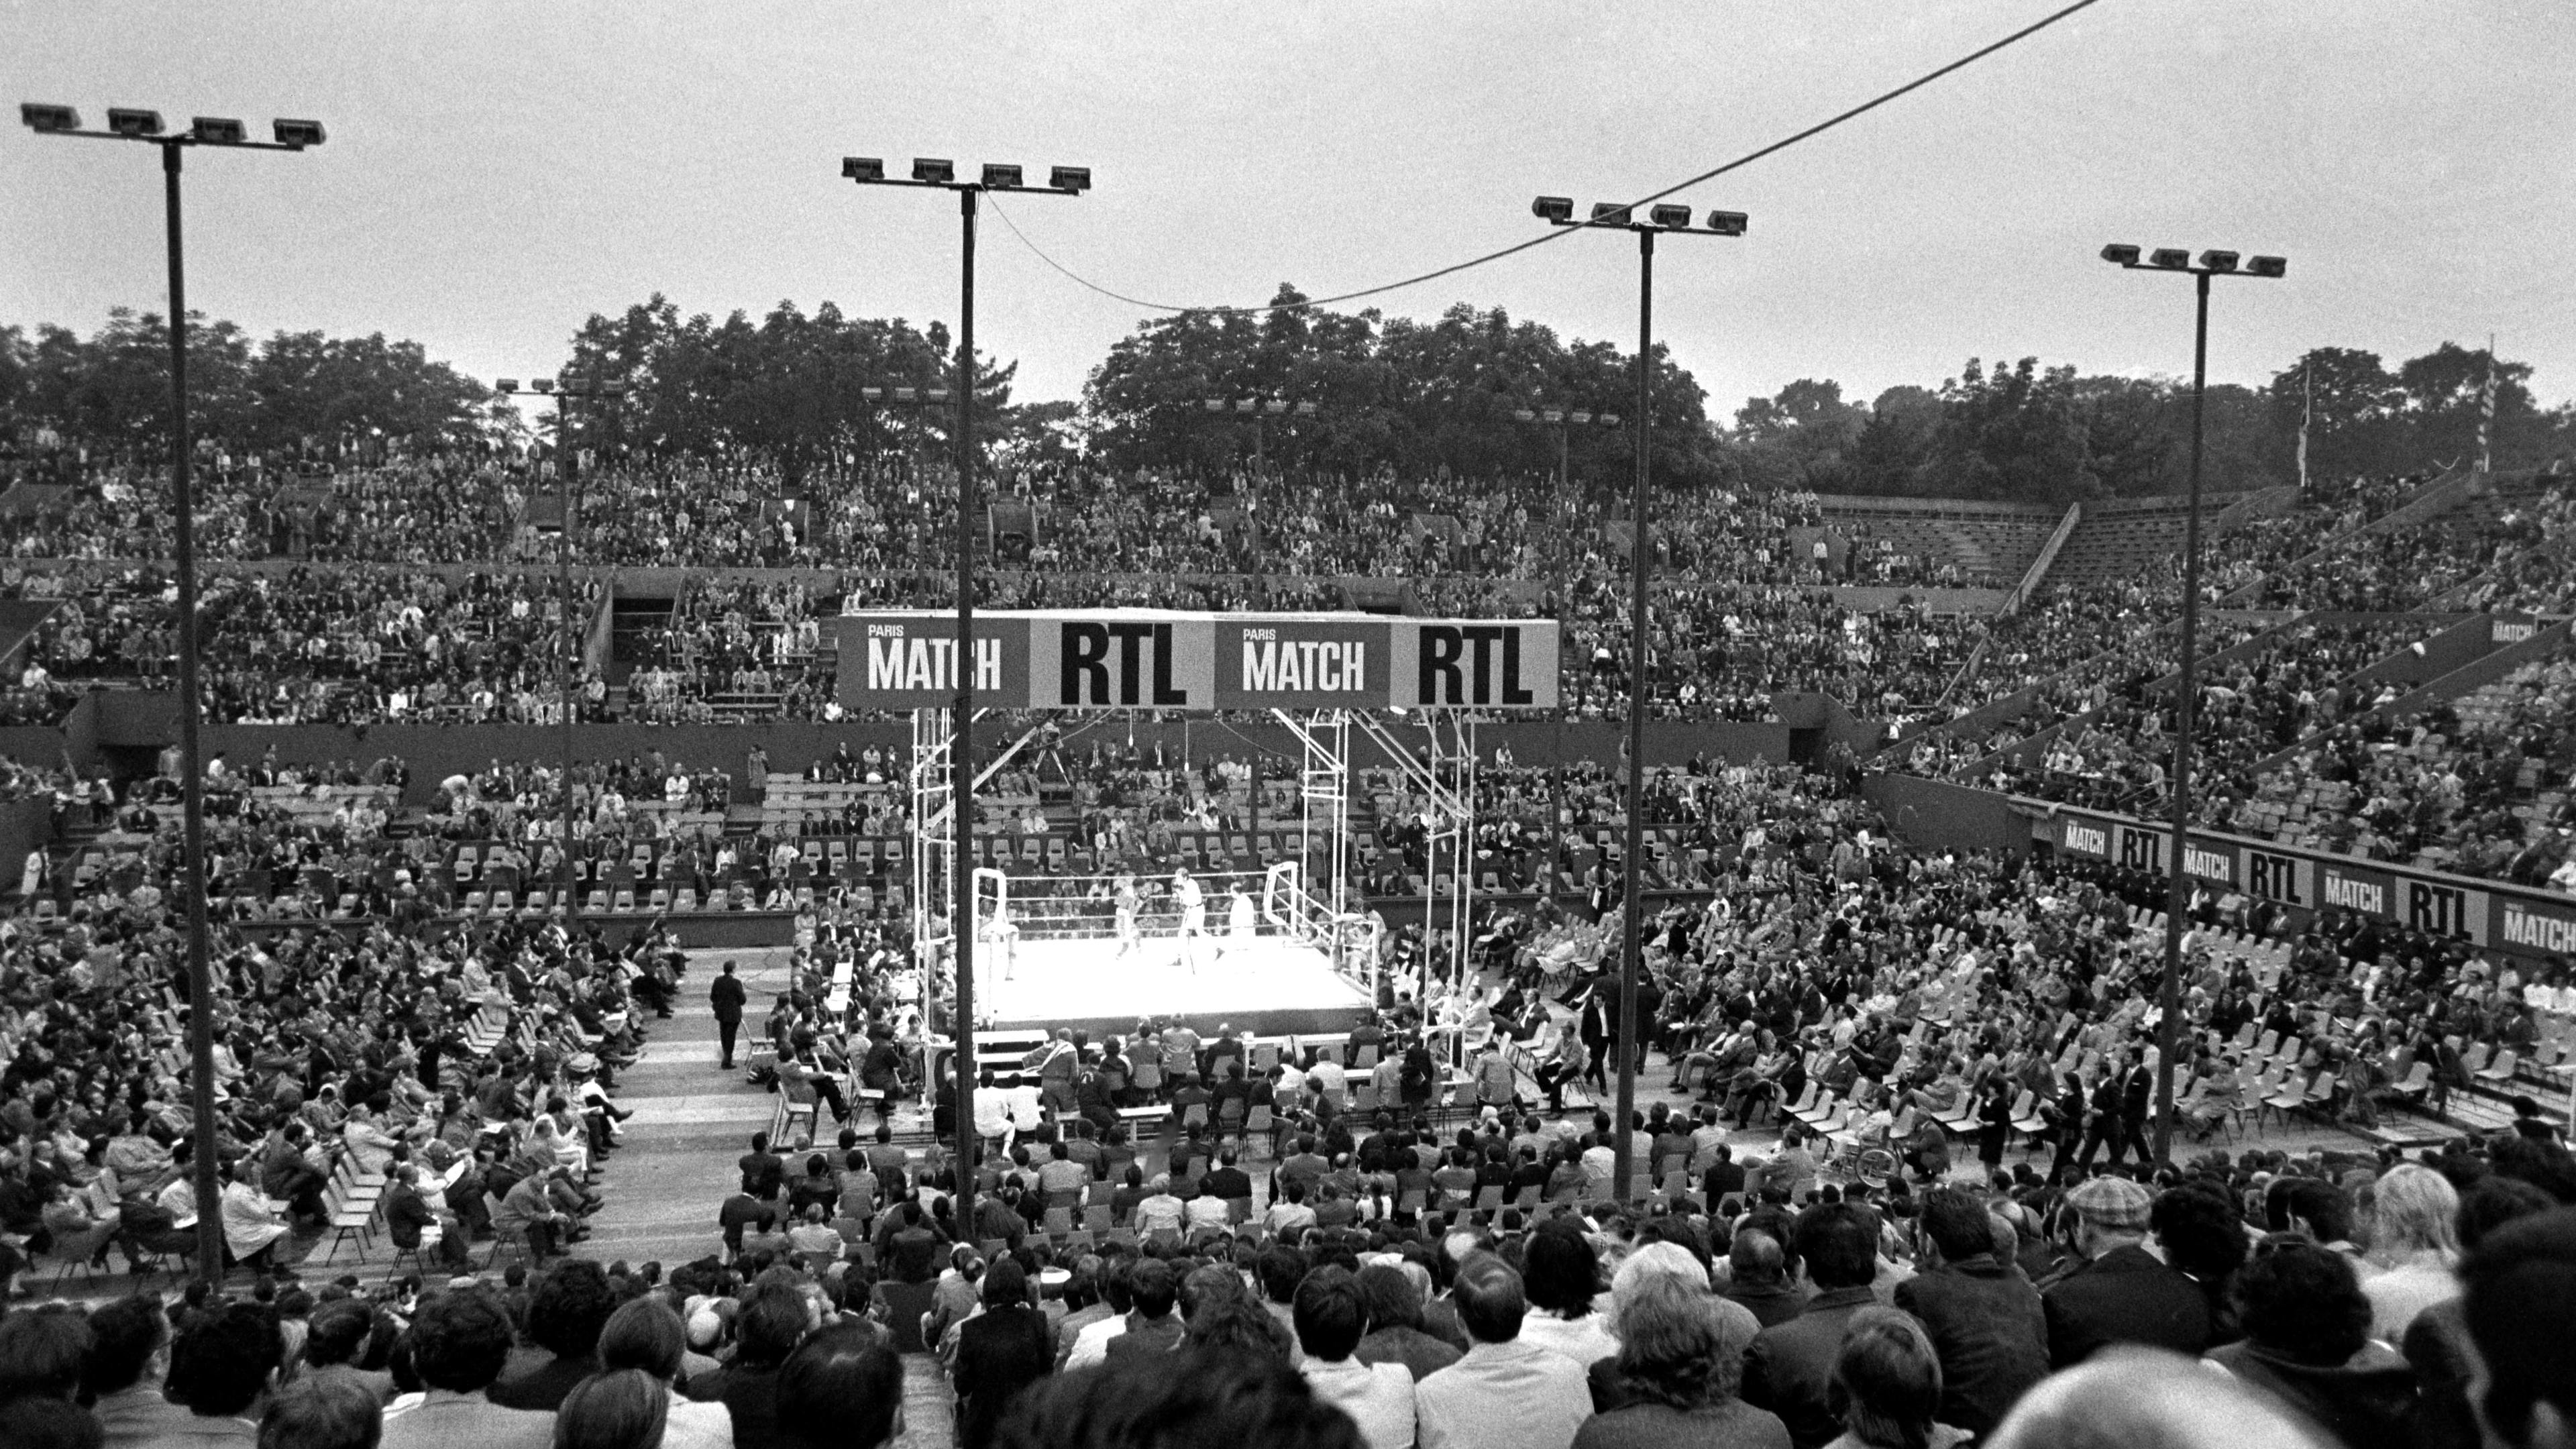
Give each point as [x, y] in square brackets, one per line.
[498, 171]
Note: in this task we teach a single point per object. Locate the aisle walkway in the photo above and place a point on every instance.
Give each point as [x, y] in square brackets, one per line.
[691, 1121]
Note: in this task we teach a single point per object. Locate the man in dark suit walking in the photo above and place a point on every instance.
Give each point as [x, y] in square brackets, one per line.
[727, 997]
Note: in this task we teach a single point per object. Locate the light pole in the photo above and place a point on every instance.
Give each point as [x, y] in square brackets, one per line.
[2177, 897]
[1660, 220]
[125, 124]
[585, 388]
[1258, 409]
[942, 175]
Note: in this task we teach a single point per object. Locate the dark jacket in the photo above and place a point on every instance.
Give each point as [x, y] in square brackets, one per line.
[544, 1386]
[727, 997]
[2365, 1402]
[2124, 1296]
[1789, 1369]
[1421, 1354]
[1771, 1303]
[1990, 1331]
[1147, 1337]
[999, 1352]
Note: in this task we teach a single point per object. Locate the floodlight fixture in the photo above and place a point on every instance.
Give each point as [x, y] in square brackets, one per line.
[863, 168]
[2120, 254]
[543, 384]
[998, 173]
[935, 395]
[2172, 259]
[1305, 410]
[1557, 209]
[1074, 180]
[872, 394]
[1524, 415]
[1669, 216]
[933, 170]
[295, 135]
[907, 394]
[1579, 419]
[505, 384]
[2218, 261]
[2267, 266]
[126, 121]
[1275, 406]
[218, 131]
[1216, 404]
[1727, 223]
[1244, 405]
[37, 116]
[1607, 420]
[1609, 213]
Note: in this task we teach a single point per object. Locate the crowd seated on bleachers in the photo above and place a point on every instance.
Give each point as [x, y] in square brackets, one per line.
[2298, 681]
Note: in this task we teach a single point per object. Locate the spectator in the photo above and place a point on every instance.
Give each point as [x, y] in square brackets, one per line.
[1242, 1401]
[120, 1378]
[775, 1318]
[1562, 1277]
[2519, 1293]
[1887, 1386]
[222, 1366]
[2438, 1344]
[2415, 1245]
[1331, 1318]
[1789, 1368]
[1983, 1317]
[1503, 1393]
[566, 1312]
[2128, 1397]
[618, 1409]
[2118, 1292]
[329, 1408]
[2307, 1343]
[459, 1343]
[1678, 1368]
[1395, 1324]
[1000, 1352]
[841, 1389]
[646, 1333]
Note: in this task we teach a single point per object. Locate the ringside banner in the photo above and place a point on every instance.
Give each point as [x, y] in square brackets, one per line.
[2307, 879]
[1164, 659]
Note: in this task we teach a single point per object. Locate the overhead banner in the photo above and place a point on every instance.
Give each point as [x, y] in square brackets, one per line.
[1165, 659]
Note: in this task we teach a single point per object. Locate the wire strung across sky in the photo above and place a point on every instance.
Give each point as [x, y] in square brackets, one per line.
[1556, 233]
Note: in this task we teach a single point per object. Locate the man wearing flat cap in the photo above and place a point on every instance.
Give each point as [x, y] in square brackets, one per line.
[2119, 1293]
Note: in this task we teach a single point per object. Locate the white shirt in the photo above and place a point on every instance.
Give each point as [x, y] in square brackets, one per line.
[1091, 1344]
[1378, 1397]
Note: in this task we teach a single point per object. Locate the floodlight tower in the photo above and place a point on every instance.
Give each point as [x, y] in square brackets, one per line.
[2178, 899]
[1661, 220]
[128, 124]
[941, 174]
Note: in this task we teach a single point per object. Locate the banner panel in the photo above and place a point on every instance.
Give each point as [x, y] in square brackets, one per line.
[2534, 926]
[1459, 663]
[1166, 659]
[1116, 661]
[2356, 888]
[2288, 880]
[1301, 663]
[909, 660]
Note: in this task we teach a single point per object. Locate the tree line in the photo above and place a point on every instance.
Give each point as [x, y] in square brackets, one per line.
[1419, 397]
